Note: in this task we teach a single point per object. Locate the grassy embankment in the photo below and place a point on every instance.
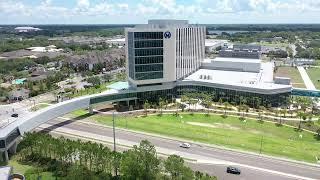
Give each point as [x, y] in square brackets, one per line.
[229, 132]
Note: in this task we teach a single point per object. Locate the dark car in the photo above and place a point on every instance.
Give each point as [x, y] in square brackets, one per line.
[14, 115]
[233, 170]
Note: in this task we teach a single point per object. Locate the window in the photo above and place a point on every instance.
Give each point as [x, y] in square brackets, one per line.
[148, 43]
[149, 60]
[148, 35]
[151, 75]
[149, 67]
[149, 52]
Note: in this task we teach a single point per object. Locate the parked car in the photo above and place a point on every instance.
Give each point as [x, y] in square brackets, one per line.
[233, 170]
[14, 115]
[185, 145]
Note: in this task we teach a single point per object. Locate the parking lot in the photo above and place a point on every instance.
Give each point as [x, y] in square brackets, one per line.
[6, 112]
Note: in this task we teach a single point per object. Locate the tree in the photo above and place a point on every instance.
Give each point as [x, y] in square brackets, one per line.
[201, 176]
[225, 107]
[301, 116]
[161, 104]
[185, 99]
[207, 102]
[174, 165]
[107, 77]
[318, 133]
[94, 80]
[146, 106]
[193, 102]
[141, 162]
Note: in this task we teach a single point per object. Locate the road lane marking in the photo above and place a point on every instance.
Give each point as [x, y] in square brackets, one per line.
[198, 158]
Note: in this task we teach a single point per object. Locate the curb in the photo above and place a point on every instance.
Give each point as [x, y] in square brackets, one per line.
[105, 142]
[269, 157]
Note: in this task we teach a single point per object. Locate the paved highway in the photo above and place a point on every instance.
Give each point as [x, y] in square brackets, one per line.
[211, 160]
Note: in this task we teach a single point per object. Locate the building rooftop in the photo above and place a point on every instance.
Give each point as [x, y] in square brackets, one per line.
[121, 85]
[19, 81]
[227, 59]
[26, 28]
[261, 80]
[214, 42]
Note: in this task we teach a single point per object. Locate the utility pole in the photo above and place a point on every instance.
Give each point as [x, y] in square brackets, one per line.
[261, 144]
[114, 133]
[114, 143]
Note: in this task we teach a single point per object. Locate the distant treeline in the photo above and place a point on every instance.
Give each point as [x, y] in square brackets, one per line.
[68, 30]
[65, 30]
[263, 27]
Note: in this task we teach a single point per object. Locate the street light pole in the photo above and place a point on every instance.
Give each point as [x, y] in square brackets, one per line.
[114, 133]
[261, 144]
[261, 141]
[114, 143]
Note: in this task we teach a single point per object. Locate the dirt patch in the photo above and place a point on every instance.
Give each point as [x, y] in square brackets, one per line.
[215, 125]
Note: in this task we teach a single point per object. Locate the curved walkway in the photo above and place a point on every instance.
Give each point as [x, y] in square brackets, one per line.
[307, 81]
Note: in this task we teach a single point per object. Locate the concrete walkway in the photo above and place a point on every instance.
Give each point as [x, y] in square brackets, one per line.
[307, 81]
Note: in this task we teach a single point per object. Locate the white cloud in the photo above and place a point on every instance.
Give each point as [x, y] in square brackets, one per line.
[11, 10]
[83, 3]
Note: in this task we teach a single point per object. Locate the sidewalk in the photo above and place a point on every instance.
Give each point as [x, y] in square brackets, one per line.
[307, 81]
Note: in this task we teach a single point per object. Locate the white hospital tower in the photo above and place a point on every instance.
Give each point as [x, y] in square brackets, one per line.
[166, 58]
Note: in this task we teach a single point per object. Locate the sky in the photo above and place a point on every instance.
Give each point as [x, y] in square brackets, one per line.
[139, 11]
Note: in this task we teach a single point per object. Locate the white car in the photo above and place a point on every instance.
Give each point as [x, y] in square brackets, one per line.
[185, 145]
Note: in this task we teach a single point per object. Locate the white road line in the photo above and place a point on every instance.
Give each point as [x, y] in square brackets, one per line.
[64, 118]
[198, 158]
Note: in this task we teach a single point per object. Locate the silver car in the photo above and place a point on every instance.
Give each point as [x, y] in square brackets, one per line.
[185, 145]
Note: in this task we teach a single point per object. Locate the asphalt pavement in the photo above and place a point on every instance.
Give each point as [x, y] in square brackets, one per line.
[207, 159]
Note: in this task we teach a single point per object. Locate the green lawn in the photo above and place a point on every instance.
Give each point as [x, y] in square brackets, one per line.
[230, 132]
[274, 44]
[29, 170]
[314, 74]
[292, 73]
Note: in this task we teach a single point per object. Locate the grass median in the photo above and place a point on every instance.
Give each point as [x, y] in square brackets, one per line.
[230, 132]
[314, 74]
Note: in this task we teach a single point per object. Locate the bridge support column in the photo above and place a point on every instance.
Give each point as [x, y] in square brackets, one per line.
[90, 109]
[13, 148]
[4, 156]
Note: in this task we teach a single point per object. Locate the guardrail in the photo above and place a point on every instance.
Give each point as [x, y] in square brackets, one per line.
[305, 92]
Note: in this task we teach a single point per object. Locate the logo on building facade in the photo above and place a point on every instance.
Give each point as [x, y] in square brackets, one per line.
[167, 35]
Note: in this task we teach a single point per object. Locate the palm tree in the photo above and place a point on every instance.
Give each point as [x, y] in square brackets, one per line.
[186, 99]
[146, 106]
[318, 133]
[176, 104]
[301, 115]
[213, 96]
[161, 104]
[226, 106]
[207, 101]
[262, 109]
[245, 108]
[193, 102]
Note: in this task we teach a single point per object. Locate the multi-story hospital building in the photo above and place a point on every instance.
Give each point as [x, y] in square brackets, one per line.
[166, 58]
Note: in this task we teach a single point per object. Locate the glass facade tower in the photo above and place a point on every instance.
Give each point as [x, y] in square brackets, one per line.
[145, 50]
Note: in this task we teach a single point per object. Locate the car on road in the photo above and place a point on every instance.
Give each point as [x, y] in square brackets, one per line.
[14, 115]
[185, 145]
[233, 170]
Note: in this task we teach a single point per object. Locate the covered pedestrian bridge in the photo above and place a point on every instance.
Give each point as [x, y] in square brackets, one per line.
[13, 131]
